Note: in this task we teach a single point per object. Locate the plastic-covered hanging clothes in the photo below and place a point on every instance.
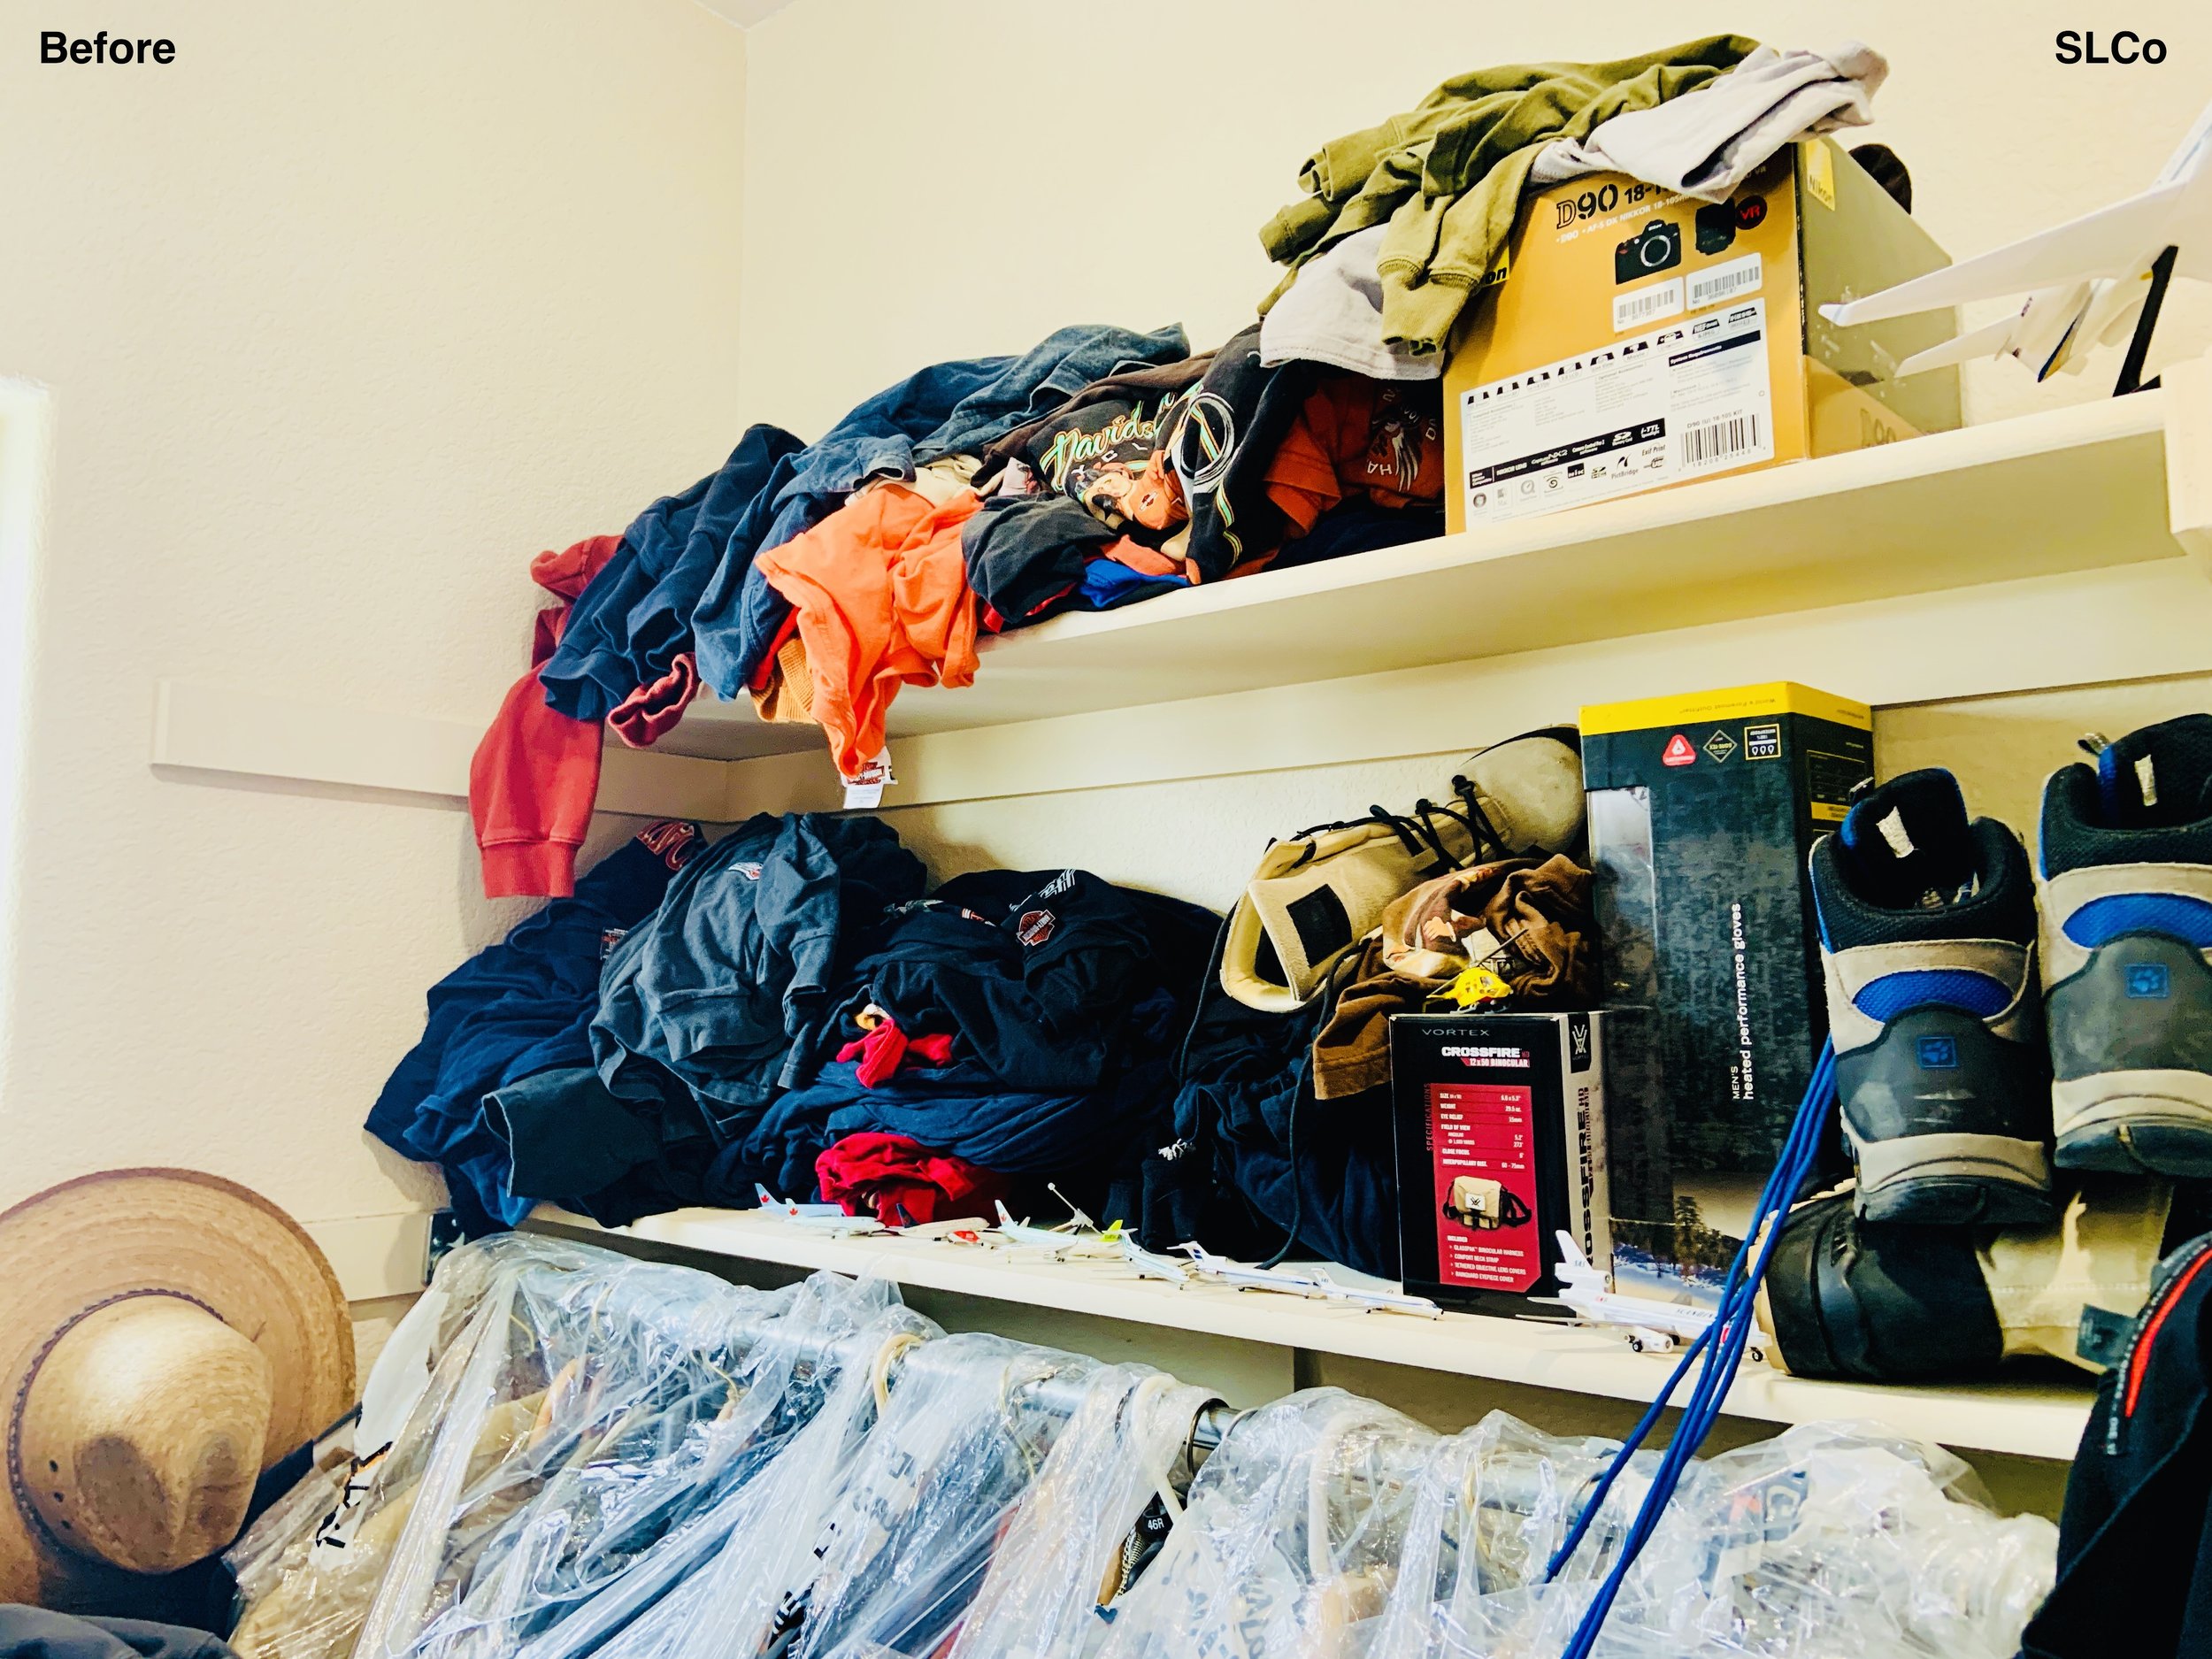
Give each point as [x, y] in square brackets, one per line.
[1830, 1540]
[583, 1413]
[1289, 1546]
[1108, 1483]
[611, 1530]
[729, 1599]
[314, 1577]
[971, 1422]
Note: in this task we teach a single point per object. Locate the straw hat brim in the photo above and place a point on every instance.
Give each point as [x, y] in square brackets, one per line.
[90, 1241]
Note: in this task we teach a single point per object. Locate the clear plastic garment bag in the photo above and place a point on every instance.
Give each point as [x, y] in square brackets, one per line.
[971, 1422]
[1830, 1542]
[1289, 1545]
[806, 1397]
[727, 1599]
[540, 1351]
[1107, 1489]
[589, 1425]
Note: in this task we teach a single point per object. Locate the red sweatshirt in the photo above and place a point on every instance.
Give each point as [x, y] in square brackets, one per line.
[537, 773]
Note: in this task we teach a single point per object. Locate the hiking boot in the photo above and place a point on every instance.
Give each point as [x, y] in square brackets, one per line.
[2126, 858]
[1927, 939]
[1857, 1299]
[1318, 894]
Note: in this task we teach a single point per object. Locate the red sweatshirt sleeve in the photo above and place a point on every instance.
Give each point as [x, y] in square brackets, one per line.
[536, 774]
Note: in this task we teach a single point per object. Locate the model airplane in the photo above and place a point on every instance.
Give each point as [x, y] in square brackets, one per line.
[1292, 1281]
[1652, 1326]
[1078, 1238]
[1150, 1264]
[2090, 275]
[830, 1219]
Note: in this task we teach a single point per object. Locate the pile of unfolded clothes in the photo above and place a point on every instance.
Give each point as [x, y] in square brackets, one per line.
[1100, 467]
[1105, 466]
[786, 1009]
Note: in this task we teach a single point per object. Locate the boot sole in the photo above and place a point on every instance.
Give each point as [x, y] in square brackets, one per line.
[1952, 1179]
[2136, 1122]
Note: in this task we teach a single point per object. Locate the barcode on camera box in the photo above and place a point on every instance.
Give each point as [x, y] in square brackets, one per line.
[1673, 402]
[1720, 442]
[1646, 305]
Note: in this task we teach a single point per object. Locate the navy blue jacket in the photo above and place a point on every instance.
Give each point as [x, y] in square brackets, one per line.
[634, 619]
[1039, 974]
[948, 409]
[1324, 1171]
[728, 988]
[2135, 1538]
[516, 1009]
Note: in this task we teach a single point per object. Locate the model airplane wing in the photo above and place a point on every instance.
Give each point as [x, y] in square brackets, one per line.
[2116, 243]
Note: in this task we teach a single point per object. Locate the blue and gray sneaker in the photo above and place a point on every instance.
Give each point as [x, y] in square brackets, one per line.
[1927, 935]
[2126, 858]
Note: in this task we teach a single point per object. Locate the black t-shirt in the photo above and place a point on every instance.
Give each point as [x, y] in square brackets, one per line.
[1110, 456]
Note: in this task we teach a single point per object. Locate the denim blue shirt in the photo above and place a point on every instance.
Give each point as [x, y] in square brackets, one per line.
[630, 624]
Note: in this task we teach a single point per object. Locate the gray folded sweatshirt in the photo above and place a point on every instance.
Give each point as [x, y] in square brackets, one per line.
[1706, 142]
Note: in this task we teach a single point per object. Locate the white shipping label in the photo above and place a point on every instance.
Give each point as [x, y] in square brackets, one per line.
[1676, 403]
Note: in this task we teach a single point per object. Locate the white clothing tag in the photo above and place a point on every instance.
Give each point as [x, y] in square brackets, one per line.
[863, 790]
[2146, 781]
[1892, 828]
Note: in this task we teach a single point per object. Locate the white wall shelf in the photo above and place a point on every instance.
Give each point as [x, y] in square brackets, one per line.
[2033, 1418]
[2071, 489]
[2045, 551]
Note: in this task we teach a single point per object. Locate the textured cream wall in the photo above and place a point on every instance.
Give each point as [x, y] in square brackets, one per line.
[1081, 166]
[929, 180]
[344, 314]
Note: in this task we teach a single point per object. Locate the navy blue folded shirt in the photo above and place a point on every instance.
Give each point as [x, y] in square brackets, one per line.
[960, 1109]
[514, 1010]
[1038, 974]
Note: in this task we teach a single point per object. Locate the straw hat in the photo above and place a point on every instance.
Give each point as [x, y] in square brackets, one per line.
[164, 1336]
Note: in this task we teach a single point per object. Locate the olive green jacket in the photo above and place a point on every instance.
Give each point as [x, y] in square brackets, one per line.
[1446, 175]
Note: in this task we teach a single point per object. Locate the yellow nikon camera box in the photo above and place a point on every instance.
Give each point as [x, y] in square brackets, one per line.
[1641, 338]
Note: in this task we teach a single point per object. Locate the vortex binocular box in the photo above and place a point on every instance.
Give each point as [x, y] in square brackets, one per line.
[1502, 1145]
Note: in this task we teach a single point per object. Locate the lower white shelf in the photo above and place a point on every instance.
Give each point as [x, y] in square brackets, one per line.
[2035, 1418]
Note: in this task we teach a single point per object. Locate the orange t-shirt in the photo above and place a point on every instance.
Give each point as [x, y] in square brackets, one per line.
[882, 599]
[1355, 436]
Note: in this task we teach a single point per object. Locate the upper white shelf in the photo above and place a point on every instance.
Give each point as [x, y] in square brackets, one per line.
[2070, 489]
[1946, 566]
[2035, 1419]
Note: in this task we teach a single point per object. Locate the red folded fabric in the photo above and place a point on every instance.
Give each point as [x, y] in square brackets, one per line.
[903, 1182]
[885, 1046]
[536, 774]
[650, 712]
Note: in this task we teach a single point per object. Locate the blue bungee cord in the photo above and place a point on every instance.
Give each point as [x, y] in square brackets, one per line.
[1720, 1346]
